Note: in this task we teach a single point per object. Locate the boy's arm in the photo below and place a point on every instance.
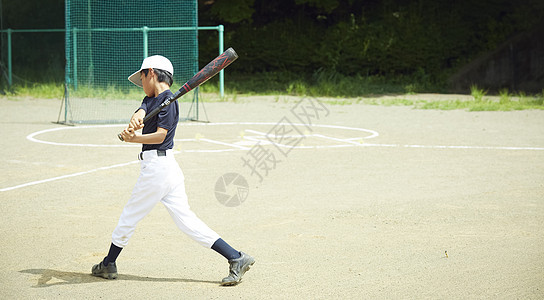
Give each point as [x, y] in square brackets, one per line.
[157, 137]
[136, 123]
[137, 120]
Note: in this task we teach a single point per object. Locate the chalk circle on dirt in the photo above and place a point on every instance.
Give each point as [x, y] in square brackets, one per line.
[341, 136]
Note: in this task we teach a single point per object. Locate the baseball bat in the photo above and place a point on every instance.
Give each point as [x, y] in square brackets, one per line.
[210, 70]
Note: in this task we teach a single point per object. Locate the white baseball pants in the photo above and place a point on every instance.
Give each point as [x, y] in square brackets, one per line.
[161, 179]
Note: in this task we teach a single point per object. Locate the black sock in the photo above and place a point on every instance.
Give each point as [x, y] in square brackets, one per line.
[225, 249]
[112, 255]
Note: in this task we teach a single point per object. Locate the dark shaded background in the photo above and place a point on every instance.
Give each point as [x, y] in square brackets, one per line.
[424, 40]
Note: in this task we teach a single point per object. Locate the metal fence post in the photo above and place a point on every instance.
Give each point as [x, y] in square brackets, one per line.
[74, 41]
[10, 78]
[145, 30]
[221, 29]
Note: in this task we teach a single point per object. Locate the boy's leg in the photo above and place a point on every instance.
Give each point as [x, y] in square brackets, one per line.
[186, 220]
[112, 254]
[145, 195]
[221, 247]
[178, 207]
[147, 192]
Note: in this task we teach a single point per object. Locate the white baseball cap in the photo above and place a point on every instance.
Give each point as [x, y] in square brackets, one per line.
[152, 62]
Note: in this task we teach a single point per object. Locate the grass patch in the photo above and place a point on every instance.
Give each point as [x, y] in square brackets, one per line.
[501, 103]
[324, 84]
[444, 105]
[477, 93]
[109, 92]
[334, 88]
[52, 90]
[55, 90]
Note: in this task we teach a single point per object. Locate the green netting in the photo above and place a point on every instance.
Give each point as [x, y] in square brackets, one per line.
[106, 41]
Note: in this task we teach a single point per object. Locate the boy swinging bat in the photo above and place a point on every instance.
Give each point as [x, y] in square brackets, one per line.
[161, 179]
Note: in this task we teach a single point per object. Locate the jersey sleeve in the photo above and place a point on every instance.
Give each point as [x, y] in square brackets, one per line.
[143, 105]
[168, 117]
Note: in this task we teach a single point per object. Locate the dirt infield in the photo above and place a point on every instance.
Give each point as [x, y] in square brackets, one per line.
[371, 202]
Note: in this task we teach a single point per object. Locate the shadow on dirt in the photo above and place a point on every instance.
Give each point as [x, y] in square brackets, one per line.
[54, 277]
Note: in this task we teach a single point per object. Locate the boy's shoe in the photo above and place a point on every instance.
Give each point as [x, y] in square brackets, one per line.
[108, 272]
[237, 269]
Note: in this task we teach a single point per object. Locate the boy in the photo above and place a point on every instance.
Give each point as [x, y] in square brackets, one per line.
[160, 178]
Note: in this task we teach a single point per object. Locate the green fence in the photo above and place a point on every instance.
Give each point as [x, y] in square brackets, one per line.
[106, 41]
[145, 44]
[9, 48]
[9, 33]
[72, 104]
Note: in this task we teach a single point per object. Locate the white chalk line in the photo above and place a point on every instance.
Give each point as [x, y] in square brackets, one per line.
[225, 144]
[349, 142]
[66, 176]
[72, 175]
[33, 136]
[452, 147]
[300, 147]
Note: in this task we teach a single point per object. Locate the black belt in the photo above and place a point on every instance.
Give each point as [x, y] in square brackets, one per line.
[159, 153]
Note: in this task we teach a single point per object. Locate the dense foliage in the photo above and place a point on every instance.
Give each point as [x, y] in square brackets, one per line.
[423, 37]
[319, 40]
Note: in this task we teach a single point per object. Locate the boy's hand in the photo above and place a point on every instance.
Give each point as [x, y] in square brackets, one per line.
[128, 134]
[136, 122]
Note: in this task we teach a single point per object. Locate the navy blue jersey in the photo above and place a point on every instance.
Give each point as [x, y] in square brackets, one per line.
[168, 119]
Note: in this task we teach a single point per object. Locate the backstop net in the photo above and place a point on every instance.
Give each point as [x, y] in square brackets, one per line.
[106, 42]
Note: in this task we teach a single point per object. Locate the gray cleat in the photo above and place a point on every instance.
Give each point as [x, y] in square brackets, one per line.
[238, 267]
[108, 272]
